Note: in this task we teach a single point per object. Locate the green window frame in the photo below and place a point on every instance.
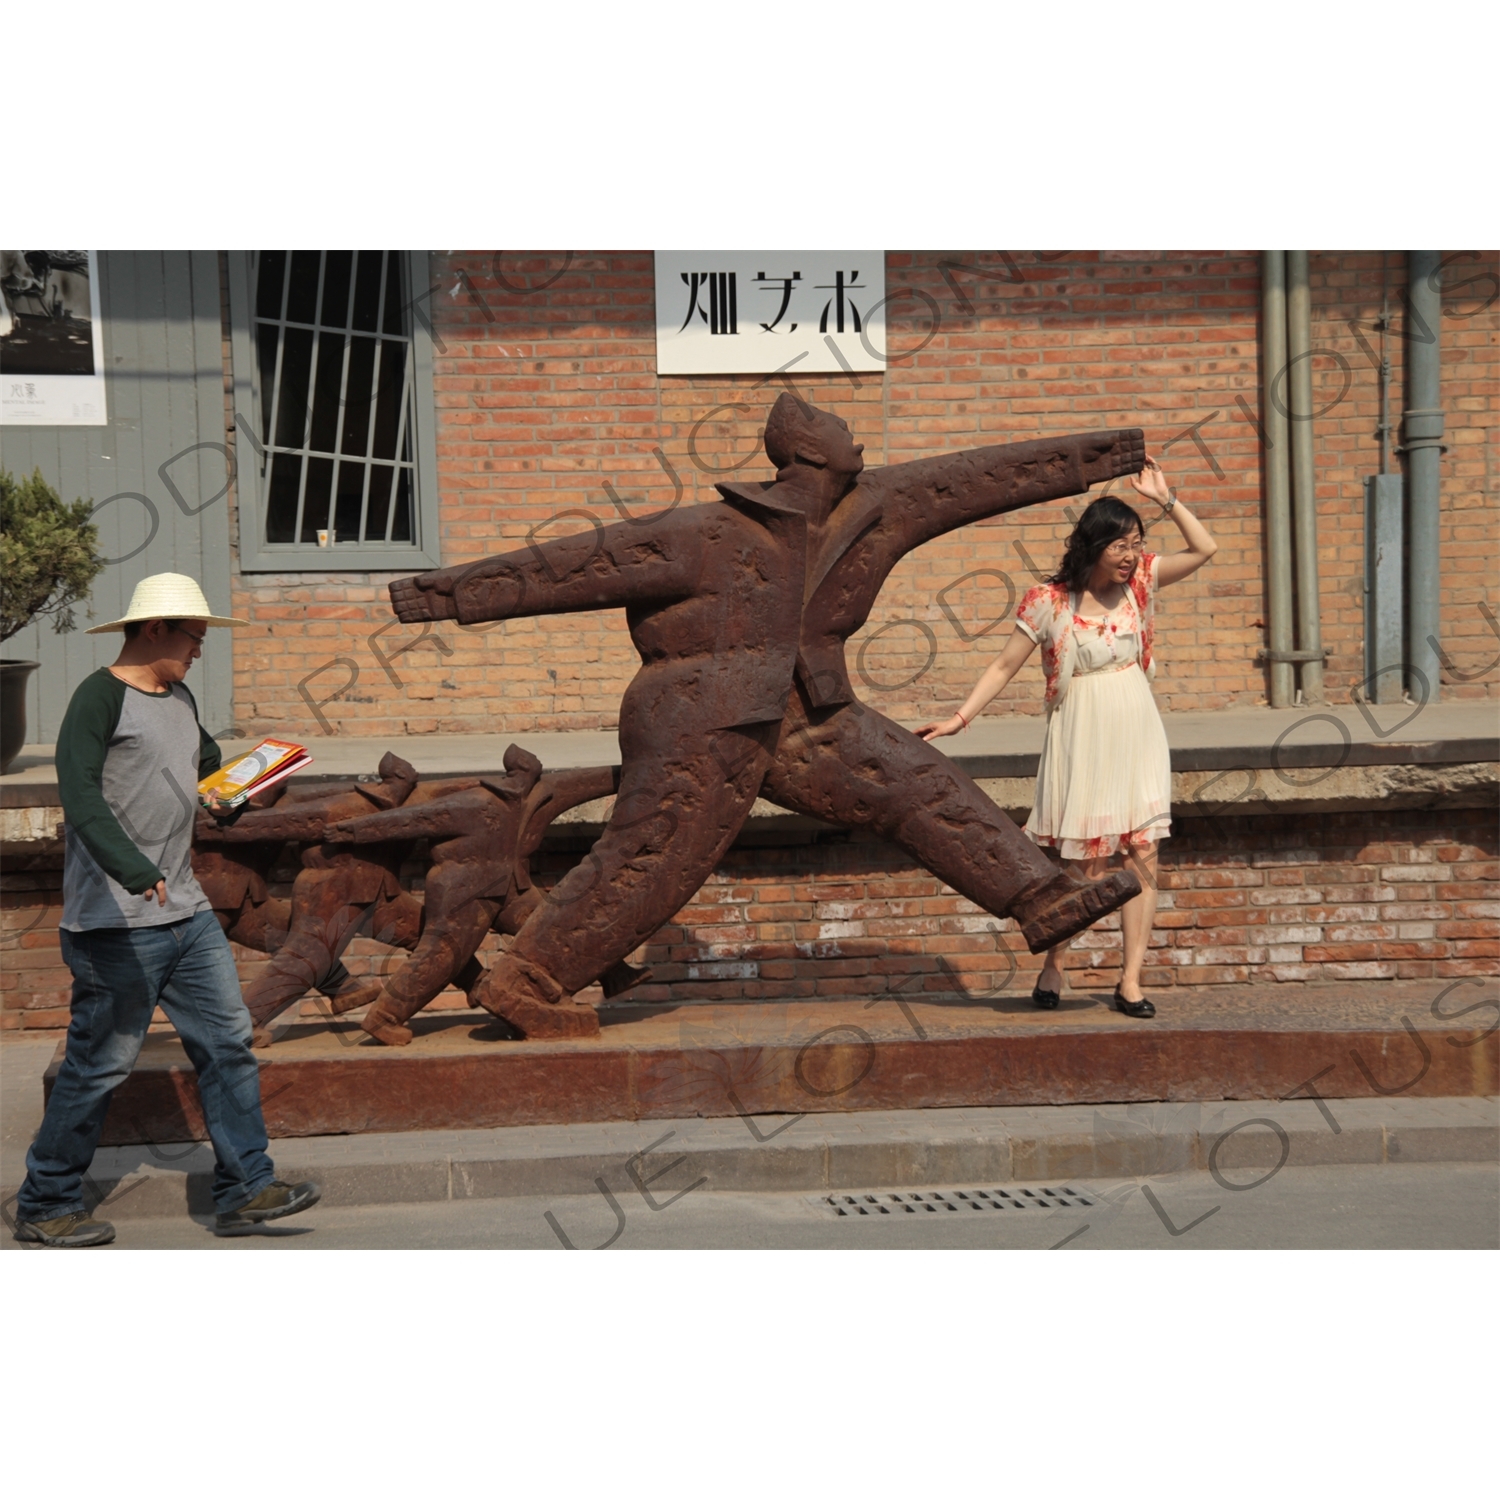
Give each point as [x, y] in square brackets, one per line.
[334, 411]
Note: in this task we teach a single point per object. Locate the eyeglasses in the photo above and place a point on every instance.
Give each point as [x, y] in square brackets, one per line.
[173, 625]
[1123, 548]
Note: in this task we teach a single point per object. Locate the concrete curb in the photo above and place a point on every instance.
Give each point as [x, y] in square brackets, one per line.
[885, 1149]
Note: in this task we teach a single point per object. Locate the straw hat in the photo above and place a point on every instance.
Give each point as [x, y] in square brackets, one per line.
[166, 596]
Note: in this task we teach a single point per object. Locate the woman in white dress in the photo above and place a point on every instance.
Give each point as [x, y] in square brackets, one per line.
[1104, 785]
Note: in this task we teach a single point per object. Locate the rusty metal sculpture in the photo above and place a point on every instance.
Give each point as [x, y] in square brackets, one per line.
[235, 878]
[740, 611]
[336, 891]
[484, 831]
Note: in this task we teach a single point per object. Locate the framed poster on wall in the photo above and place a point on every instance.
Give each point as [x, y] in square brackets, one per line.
[51, 339]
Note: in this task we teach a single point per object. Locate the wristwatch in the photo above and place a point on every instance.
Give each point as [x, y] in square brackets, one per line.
[1166, 510]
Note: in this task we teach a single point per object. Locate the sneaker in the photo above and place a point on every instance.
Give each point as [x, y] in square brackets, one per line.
[275, 1201]
[70, 1231]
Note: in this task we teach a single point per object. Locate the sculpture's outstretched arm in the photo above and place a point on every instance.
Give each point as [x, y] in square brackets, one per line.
[302, 826]
[606, 567]
[438, 819]
[929, 496]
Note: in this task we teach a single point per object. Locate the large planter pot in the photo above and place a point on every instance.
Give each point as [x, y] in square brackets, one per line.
[13, 675]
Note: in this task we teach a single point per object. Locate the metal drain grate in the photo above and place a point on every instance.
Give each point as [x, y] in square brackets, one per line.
[950, 1201]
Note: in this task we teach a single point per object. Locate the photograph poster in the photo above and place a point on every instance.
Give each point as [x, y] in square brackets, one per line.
[51, 339]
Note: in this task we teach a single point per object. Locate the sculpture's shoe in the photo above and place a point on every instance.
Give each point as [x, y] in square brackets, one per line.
[382, 1022]
[355, 993]
[538, 1021]
[1064, 906]
[532, 1001]
[349, 995]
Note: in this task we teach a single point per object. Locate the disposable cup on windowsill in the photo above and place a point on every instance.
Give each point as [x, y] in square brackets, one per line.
[324, 539]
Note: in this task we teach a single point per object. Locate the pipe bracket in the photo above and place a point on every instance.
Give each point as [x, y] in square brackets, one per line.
[1268, 656]
[1424, 429]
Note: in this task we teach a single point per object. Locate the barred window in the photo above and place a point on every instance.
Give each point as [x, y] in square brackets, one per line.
[335, 398]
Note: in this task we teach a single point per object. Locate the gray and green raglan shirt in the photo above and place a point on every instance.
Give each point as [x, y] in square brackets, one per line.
[128, 767]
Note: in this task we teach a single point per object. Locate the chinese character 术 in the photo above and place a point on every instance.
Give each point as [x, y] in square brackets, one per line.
[837, 302]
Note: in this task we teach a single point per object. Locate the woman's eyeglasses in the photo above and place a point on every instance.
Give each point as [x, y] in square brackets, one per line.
[1123, 549]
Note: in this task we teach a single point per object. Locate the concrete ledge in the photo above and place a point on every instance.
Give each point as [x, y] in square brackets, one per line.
[29, 833]
[1000, 746]
[1240, 1142]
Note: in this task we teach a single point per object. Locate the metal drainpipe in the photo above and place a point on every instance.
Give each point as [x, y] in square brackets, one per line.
[1278, 470]
[1385, 565]
[1424, 455]
[1299, 402]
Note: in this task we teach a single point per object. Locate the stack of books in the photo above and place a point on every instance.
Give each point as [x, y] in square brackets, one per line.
[269, 762]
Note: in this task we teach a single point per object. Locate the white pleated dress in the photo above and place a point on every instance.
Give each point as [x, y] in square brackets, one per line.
[1105, 779]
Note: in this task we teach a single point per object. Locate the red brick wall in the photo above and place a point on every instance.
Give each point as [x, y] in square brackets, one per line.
[543, 398]
[1346, 896]
[1408, 895]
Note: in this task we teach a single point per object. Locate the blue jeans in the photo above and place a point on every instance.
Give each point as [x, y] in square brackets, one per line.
[120, 974]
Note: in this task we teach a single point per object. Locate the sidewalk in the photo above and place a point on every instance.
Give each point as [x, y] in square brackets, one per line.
[764, 1153]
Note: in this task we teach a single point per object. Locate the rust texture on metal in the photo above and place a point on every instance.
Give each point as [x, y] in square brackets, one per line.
[353, 838]
[740, 610]
[483, 833]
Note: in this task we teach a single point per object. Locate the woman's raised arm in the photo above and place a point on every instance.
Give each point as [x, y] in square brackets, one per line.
[1174, 566]
[990, 685]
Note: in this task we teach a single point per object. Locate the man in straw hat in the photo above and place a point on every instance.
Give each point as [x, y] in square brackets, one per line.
[137, 931]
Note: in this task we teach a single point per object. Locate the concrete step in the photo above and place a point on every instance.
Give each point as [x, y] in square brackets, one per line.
[921, 1050]
[1240, 1142]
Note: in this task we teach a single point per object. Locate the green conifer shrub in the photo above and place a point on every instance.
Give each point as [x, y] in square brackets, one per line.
[49, 554]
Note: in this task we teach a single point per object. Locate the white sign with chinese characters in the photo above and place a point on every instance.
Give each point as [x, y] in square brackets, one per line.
[751, 312]
[51, 339]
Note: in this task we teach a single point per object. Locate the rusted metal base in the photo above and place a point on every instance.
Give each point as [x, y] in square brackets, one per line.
[660, 1062]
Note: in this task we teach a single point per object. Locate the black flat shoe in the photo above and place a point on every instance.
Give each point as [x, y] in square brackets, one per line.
[1142, 1010]
[1045, 999]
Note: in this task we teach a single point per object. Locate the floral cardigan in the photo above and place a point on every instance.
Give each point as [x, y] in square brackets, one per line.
[1046, 615]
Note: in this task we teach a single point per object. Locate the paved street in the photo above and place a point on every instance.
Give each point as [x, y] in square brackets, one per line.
[1431, 1206]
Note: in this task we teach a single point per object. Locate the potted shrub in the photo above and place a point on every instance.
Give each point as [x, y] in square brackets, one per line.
[49, 556]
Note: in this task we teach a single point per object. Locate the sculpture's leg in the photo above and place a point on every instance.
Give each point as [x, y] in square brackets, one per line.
[448, 943]
[397, 922]
[679, 808]
[323, 921]
[262, 927]
[852, 765]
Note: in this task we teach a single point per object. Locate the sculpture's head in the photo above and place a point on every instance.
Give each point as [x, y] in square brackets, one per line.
[797, 433]
[397, 779]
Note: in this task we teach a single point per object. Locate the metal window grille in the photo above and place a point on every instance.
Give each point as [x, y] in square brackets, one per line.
[334, 398]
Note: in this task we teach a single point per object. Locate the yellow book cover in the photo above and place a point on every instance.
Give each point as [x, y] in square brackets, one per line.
[269, 762]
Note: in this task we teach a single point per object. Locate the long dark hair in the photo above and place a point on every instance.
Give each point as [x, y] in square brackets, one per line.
[1104, 521]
